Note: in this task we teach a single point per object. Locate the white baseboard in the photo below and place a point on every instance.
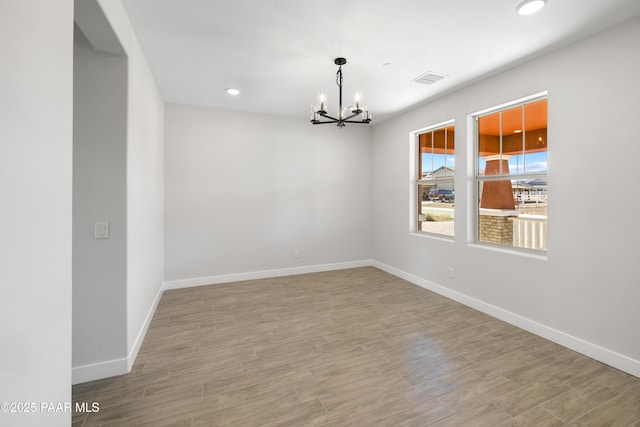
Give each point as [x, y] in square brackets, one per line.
[111, 368]
[609, 357]
[97, 371]
[264, 274]
[135, 348]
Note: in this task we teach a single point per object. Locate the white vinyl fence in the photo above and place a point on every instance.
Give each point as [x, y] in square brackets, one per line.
[530, 231]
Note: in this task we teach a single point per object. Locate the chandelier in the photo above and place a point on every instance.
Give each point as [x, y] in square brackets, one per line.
[319, 112]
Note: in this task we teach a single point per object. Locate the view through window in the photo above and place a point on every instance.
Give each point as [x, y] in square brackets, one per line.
[512, 175]
[435, 180]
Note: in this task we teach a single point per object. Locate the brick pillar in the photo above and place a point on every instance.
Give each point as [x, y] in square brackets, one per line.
[497, 194]
[496, 228]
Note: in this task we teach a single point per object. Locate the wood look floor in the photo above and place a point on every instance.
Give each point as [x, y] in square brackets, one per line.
[354, 347]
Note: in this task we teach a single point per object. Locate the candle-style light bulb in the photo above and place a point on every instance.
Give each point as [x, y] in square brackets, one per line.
[357, 102]
[314, 113]
[323, 101]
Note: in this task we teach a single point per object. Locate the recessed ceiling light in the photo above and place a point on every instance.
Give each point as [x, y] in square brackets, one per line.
[232, 91]
[529, 7]
[517, 131]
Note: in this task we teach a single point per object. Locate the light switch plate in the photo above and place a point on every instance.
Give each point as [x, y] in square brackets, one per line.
[100, 230]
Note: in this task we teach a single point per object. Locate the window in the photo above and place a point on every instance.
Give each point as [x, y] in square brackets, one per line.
[511, 174]
[434, 180]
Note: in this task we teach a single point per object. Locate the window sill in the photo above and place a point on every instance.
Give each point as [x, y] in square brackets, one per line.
[434, 236]
[528, 253]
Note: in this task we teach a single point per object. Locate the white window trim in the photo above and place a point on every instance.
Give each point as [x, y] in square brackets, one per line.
[414, 181]
[473, 231]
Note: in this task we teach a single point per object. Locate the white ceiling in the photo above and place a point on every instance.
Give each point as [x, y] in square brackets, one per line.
[280, 53]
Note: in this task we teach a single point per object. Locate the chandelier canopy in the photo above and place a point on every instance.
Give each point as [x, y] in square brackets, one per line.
[319, 114]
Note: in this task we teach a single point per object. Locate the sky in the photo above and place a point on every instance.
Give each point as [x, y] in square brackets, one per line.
[533, 162]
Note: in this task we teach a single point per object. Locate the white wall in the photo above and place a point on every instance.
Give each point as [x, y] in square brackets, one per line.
[36, 50]
[245, 190]
[145, 195]
[145, 202]
[585, 293]
[99, 195]
[144, 182]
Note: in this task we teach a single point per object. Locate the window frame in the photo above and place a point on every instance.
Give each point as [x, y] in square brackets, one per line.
[417, 181]
[477, 179]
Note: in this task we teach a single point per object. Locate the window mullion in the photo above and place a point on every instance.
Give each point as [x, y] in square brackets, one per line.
[500, 155]
[524, 142]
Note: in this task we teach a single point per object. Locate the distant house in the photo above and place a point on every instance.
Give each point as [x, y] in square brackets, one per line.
[439, 179]
[534, 190]
[443, 172]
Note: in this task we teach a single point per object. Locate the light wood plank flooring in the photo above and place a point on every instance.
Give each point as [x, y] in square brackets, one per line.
[354, 347]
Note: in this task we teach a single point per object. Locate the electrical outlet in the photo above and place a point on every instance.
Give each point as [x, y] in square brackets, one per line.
[296, 253]
[452, 273]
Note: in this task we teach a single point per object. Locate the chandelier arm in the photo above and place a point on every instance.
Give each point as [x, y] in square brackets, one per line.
[351, 116]
[325, 115]
[362, 122]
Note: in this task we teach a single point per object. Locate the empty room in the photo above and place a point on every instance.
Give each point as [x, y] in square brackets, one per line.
[269, 213]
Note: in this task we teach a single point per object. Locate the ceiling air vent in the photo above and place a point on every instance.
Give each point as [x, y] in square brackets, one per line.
[429, 78]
